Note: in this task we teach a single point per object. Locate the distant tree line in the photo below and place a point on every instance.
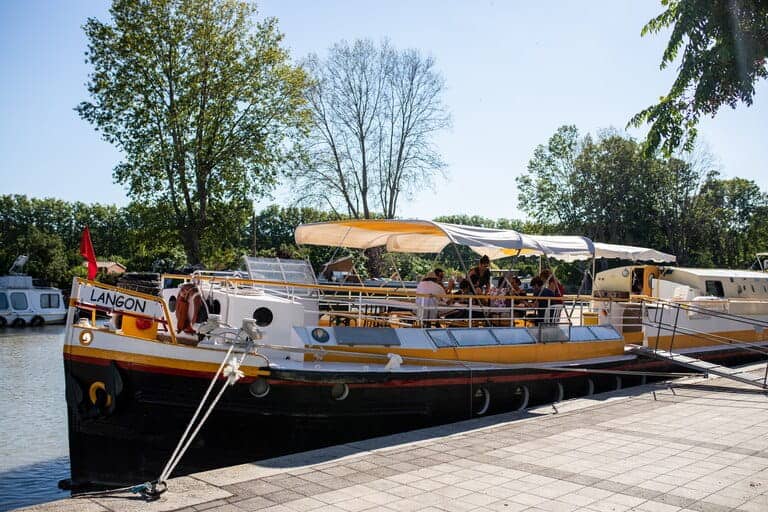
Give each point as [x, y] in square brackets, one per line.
[143, 239]
[691, 212]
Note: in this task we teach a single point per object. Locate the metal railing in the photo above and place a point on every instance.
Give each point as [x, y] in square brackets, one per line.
[403, 307]
[662, 308]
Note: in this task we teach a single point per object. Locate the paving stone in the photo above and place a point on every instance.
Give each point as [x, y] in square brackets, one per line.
[252, 488]
[210, 505]
[705, 506]
[257, 503]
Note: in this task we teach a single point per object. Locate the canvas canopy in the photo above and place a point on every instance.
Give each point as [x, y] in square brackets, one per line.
[422, 236]
[628, 252]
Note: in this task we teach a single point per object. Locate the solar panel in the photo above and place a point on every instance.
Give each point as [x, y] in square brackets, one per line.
[279, 269]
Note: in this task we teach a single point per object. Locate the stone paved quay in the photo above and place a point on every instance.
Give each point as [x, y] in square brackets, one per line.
[702, 446]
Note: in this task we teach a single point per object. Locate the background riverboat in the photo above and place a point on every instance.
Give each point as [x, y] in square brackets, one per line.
[22, 302]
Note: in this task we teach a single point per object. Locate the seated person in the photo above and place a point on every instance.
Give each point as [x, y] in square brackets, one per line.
[440, 273]
[465, 288]
[499, 292]
[546, 274]
[480, 276]
[516, 287]
[432, 294]
[548, 293]
[516, 290]
[537, 285]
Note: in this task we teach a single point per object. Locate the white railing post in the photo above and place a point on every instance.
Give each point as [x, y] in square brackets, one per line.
[360, 309]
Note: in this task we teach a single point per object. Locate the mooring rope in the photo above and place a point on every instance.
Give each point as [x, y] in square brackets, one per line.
[230, 369]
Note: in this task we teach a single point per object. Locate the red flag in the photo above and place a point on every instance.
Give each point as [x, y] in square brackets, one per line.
[86, 251]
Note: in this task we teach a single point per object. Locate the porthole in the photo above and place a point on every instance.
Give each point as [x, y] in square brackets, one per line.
[259, 388]
[86, 337]
[339, 391]
[320, 335]
[481, 401]
[172, 303]
[263, 317]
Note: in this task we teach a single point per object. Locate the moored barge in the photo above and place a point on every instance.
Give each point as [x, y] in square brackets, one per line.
[311, 365]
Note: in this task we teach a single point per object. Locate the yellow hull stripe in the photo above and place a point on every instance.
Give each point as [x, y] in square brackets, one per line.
[161, 362]
[533, 353]
[703, 341]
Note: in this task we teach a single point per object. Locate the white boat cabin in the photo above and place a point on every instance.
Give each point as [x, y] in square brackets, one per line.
[22, 303]
[681, 284]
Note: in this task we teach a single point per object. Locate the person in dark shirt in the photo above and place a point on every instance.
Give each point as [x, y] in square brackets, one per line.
[465, 288]
[547, 275]
[480, 276]
[548, 295]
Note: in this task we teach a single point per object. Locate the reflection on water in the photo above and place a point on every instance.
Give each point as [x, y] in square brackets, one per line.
[33, 422]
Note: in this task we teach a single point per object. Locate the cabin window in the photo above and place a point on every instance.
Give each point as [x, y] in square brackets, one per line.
[473, 337]
[3, 301]
[605, 332]
[512, 336]
[49, 300]
[19, 300]
[714, 288]
[441, 337]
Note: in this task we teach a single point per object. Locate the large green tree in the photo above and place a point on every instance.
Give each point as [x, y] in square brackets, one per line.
[545, 191]
[200, 98]
[734, 210]
[614, 192]
[724, 47]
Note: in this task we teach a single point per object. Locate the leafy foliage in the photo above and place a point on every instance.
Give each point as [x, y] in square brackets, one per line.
[201, 100]
[549, 178]
[724, 47]
[619, 194]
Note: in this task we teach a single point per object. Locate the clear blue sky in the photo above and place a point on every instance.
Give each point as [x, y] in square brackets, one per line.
[515, 72]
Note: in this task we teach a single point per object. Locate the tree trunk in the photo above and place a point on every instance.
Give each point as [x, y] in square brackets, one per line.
[191, 245]
[374, 262]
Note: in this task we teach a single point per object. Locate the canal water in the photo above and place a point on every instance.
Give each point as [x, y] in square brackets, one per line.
[33, 416]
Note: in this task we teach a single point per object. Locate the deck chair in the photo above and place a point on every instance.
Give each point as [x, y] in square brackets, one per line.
[553, 314]
[426, 310]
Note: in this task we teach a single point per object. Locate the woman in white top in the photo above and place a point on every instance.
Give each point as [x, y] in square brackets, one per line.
[431, 295]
